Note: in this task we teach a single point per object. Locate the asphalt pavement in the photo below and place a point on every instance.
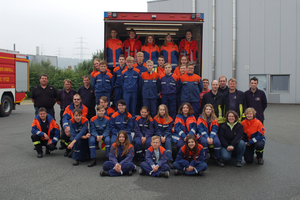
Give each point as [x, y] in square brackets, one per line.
[24, 176]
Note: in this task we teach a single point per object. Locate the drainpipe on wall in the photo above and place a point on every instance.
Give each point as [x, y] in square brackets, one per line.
[193, 6]
[234, 39]
[213, 38]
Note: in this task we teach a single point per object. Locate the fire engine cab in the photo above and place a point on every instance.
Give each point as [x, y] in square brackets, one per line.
[14, 80]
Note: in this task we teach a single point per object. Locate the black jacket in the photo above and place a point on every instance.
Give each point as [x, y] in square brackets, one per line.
[230, 137]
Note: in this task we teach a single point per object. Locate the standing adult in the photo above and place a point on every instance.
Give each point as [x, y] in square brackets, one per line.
[223, 85]
[215, 98]
[132, 45]
[235, 100]
[44, 95]
[65, 98]
[205, 90]
[114, 50]
[189, 47]
[169, 50]
[256, 99]
[88, 96]
[150, 50]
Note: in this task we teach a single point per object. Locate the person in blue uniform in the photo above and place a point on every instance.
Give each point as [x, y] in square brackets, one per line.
[190, 158]
[120, 157]
[144, 130]
[121, 120]
[79, 132]
[100, 131]
[156, 160]
[117, 79]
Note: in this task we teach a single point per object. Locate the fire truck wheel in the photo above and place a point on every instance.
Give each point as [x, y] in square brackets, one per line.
[6, 106]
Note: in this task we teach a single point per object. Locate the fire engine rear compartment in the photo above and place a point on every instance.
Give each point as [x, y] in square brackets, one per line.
[159, 29]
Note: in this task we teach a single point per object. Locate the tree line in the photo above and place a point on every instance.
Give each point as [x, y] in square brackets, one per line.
[56, 76]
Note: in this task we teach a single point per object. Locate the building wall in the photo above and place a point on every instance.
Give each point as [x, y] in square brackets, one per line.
[268, 42]
[39, 58]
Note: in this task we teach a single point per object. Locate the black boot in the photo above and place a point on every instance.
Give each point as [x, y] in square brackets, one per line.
[178, 172]
[93, 163]
[219, 163]
[40, 154]
[164, 174]
[104, 173]
[75, 162]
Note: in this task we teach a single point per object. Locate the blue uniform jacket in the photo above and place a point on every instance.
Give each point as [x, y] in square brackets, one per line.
[149, 85]
[206, 131]
[191, 87]
[53, 128]
[77, 130]
[163, 128]
[143, 128]
[170, 53]
[186, 162]
[119, 158]
[100, 126]
[114, 49]
[131, 80]
[117, 123]
[117, 78]
[168, 84]
[151, 158]
[142, 67]
[68, 114]
[184, 127]
[102, 82]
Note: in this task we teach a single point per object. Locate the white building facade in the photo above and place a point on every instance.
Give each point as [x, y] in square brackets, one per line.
[250, 38]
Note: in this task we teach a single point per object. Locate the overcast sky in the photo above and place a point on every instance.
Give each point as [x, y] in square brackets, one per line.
[58, 24]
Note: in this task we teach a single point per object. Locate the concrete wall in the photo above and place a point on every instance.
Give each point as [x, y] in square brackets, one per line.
[268, 41]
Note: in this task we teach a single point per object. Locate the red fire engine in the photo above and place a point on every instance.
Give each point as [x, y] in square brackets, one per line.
[14, 80]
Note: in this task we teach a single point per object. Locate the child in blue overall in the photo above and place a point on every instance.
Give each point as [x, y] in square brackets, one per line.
[185, 124]
[208, 127]
[168, 87]
[102, 82]
[99, 125]
[78, 131]
[121, 120]
[131, 80]
[149, 86]
[117, 79]
[163, 128]
[144, 130]
[156, 160]
[120, 157]
[190, 158]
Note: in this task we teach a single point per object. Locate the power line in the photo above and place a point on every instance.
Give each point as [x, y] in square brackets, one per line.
[82, 49]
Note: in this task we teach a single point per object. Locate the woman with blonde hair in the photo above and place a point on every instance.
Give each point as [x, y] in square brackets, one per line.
[208, 128]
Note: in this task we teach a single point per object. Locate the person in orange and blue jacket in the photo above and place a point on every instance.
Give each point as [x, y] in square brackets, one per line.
[132, 45]
[96, 68]
[169, 50]
[150, 50]
[121, 120]
[156, 160]
[68, 115]
[45, 132]
[190, 158]
[208, 127]
[144, 130]
[117, 79]
[163, 128]
[142, 66]
[168, 87]
[120, 157]
[100, 130]
[190, 88]
[114, 49]
[185, 124]
[189, 47]
[79, 132]
[149, 87]
[102, 82]
[254, 137]
[131, 80]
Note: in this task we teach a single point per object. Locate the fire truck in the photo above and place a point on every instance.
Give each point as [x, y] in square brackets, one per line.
[14, 80]
[159, 25]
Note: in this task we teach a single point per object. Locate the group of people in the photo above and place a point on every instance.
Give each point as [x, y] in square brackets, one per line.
[152, 109]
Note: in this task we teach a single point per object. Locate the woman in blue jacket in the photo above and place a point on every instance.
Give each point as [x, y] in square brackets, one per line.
[120, 157]
[190, 158]
[144, 130]
[121, 120]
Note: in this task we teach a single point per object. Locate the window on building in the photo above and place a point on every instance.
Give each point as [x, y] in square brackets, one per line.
[280, 83]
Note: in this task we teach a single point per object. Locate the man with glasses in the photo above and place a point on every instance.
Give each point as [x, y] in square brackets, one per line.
[68, 114]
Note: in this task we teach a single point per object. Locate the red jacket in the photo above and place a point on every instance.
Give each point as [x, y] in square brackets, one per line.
[133, 46]
[185, 49]
[151, 52]
[254, 130]
[114, 50]
[170, 53]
